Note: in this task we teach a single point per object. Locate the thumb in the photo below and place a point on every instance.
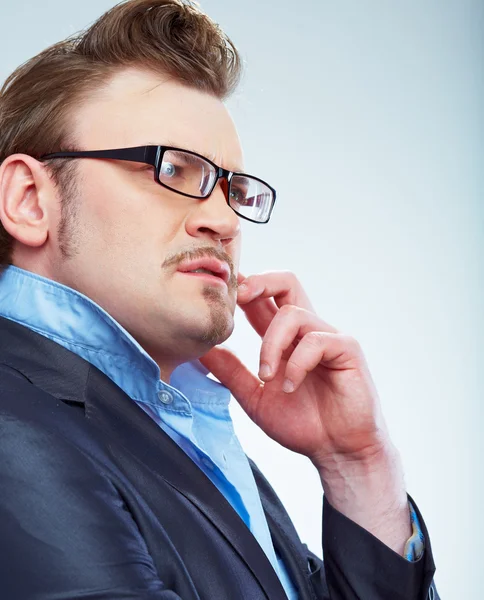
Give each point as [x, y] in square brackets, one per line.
[233, 374]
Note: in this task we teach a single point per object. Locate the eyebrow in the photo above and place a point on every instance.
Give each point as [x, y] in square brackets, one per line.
[208, 155]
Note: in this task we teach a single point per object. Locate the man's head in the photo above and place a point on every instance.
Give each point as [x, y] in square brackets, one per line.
[149, 72]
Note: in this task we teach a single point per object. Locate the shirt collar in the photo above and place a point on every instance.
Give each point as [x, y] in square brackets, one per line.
[73, 320]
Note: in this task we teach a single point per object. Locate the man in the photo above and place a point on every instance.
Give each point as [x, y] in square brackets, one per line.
[121, 191]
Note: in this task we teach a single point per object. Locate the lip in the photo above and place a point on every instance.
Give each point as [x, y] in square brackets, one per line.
[211, 279]
[220, 269]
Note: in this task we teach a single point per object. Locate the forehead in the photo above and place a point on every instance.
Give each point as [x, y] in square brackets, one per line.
[137, 108]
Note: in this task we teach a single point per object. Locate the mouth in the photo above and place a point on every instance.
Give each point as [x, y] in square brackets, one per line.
[207, 268]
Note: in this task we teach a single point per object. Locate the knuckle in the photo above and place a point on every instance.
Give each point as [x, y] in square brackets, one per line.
[289, 310]
[251, 279]
[270, 350]
[267, 346]
[294, 366]
[314, 338]
[352, 343]
[292, 278]
[289, 277]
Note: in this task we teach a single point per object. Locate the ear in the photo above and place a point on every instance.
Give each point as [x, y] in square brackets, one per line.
[26, 199]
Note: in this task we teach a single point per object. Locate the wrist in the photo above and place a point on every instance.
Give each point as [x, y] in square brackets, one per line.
[368, 463]
[369, 489]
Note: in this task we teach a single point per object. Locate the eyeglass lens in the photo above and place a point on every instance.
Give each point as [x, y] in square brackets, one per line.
[250, 198]
[186, 173]
[189, 174]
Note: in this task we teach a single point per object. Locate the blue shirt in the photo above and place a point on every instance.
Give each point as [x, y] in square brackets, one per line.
[193, 409]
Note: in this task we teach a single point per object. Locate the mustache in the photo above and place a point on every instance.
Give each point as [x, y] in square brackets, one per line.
[202, 252]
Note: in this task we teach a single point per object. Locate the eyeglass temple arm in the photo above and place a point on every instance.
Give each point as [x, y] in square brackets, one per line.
[145, 154]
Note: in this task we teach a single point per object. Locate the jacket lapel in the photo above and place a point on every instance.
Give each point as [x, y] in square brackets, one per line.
[284, 537]
[132, 436]
[294, 562]
[144, 441]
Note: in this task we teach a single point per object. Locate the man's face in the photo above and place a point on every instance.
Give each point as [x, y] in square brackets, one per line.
[130, 233]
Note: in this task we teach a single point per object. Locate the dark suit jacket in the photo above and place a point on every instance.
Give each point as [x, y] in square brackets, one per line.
[97, 502]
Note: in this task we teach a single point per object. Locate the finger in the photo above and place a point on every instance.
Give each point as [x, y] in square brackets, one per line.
[260, 314]
[335, 351]
[240, 278]
[261, 310]
[289, 325]
[283, 286]
[233, 374]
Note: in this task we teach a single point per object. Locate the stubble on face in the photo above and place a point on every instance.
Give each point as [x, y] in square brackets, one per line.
[220, 324]
[220, 321]
[68, 230]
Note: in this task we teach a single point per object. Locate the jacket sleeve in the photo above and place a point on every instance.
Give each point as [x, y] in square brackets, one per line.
[65, 530]
[358, 566]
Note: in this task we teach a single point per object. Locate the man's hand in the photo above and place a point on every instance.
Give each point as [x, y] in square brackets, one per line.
[315, 395]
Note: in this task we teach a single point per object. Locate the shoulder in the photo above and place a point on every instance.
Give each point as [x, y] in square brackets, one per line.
[22, 401]
[39, 432]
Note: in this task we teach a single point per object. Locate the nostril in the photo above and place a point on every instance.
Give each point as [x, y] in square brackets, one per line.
[206, 230]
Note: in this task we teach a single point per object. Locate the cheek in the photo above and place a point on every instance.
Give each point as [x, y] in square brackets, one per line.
[129, 219]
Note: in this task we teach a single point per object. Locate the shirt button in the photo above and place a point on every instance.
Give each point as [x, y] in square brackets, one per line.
[165, 397]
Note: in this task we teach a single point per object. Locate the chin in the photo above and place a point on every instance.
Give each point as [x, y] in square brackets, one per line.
[220, 320]
[219, 329]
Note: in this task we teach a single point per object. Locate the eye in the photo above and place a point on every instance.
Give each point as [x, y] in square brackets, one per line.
[235, 195]
[238, 196]
[168, 169]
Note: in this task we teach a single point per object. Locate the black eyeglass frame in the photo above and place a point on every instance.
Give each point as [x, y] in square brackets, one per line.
[153, 156]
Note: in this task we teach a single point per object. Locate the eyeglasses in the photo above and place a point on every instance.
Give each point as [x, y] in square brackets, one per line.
[190, 174]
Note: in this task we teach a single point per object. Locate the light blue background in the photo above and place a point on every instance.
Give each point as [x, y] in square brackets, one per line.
[367, 116]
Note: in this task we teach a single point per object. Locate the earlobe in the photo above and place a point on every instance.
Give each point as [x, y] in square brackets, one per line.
[23, 209]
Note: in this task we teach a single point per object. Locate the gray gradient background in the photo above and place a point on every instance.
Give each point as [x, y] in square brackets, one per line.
[367, 118]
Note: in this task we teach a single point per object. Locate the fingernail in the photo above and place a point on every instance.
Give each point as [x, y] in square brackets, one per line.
[264, 370]
[242, 287]
[287, 386]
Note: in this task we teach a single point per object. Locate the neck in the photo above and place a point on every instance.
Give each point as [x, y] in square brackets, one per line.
[170, 354]
[167, 363]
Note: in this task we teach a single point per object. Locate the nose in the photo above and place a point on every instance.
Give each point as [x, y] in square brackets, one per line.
[213, 217]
